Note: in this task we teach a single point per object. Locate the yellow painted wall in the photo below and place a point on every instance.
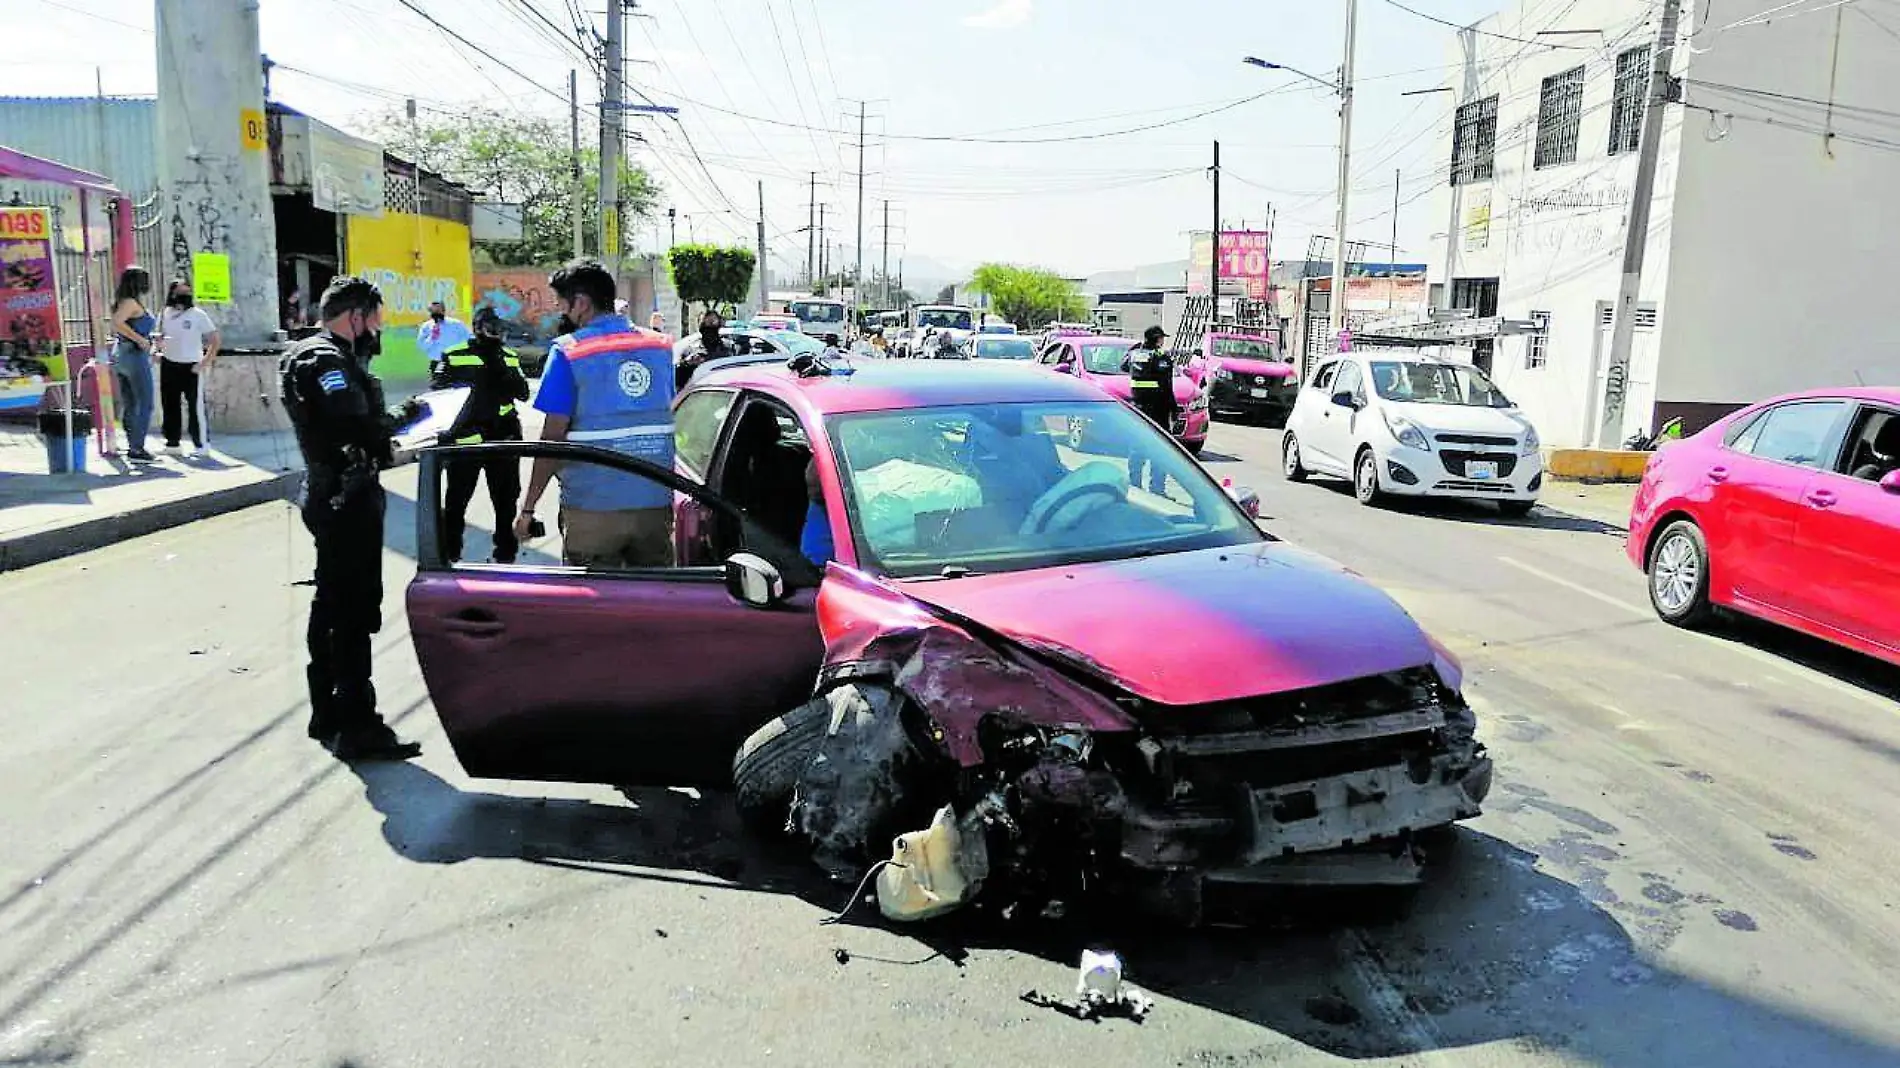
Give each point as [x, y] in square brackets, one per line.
[384, 251]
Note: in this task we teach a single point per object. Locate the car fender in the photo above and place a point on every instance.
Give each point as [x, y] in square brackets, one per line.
[956, 671]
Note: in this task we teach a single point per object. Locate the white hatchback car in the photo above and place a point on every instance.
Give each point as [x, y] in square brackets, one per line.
[1405, 425]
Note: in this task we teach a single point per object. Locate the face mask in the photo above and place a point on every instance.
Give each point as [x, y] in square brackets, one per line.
[438, 316]
[181, 300]
[369, 345]
[566, 326]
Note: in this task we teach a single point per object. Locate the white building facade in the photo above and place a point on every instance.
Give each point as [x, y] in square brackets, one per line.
[1771, 232]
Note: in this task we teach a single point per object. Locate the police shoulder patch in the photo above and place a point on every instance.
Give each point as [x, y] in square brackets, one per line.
[333, 381]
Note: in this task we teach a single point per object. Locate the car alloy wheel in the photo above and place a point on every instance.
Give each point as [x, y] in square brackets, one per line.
[1290, 462]
[1366, 480]
[1677, 573]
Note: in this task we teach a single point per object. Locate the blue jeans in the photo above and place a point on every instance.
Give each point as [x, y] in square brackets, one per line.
[132, 367]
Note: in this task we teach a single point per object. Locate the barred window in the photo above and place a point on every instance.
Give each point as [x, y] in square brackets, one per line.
[1474, 141]
[1559, 113]
[1626, 110]
[1537, 347]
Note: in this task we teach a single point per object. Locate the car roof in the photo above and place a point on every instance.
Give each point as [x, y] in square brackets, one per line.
[1092, 339]
[886, 385]
[1883, 394]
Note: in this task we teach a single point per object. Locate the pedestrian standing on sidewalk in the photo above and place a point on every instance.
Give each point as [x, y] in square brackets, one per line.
[132, 324]
[336, 407]
[608, 384]
[439, 333]
[492, 374]
[187, 347]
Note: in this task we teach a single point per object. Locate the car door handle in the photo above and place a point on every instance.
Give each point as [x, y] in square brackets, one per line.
[476, 623]
[1822, 498]
[1718, 474]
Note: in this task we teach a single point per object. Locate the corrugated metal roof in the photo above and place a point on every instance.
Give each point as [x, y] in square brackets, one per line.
[116, 137]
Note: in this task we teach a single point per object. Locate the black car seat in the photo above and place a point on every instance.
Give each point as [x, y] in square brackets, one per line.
[1886, 448]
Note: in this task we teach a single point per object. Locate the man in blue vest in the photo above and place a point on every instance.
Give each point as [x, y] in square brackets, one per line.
[610, 385]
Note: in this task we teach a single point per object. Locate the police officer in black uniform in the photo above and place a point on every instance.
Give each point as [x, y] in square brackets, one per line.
[492, 373]
[336, 407]
[1151, 378]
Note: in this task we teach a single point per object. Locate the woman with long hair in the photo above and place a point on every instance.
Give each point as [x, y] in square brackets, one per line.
[133, 324]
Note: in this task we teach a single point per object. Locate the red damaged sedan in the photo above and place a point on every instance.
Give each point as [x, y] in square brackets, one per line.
[1098, 684]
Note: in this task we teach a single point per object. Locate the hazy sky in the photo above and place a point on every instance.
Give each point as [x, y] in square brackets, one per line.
[997, 69]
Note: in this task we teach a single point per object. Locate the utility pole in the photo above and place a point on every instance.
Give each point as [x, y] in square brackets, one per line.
[1213, 243]
[763, 282]
[885, 273]
[824, 257]
[811, 232]
[1392, 255]
[575, 188]
[613, 119]
[1338, 300]
[1636, 238]
[857, 281]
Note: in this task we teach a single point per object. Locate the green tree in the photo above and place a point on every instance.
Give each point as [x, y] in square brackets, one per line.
[517, 159]
[1028, 296]
[711, 274]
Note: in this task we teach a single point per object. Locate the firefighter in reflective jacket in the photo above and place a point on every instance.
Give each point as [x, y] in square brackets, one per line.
[336, 407]
[1151, 379]
[492, 374]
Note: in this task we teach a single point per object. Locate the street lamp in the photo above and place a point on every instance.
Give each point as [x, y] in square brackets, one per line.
[1343, 87]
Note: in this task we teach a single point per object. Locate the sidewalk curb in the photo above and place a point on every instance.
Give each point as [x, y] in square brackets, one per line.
[97, 532]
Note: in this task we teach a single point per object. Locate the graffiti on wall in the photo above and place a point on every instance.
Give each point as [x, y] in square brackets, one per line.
[410, 295]
[522, 299]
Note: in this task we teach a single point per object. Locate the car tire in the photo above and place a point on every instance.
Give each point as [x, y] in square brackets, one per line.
[1679, 575]
[1365, 479]
[767, 766]
[1290, 462]
[1516, 509]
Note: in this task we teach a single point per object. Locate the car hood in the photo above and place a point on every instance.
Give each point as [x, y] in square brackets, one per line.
[1122, 388]
[1241, 365]
[1197, 627]
[1461, 418]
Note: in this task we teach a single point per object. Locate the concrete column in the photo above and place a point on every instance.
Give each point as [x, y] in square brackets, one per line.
[214, 172]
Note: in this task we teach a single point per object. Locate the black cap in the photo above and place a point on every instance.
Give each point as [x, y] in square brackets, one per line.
[1153, 333]
[487, 320]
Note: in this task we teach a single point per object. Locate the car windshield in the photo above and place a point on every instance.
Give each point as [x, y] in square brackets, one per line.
[1243, 348]
[818, 312]
[945, 319]
[1015, 486]
[1436, 383]
[793, 341]
[1005, 348]
[1105, 359]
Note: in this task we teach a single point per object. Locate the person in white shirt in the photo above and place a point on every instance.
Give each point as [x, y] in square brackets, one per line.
[187, 347]
[439, 333]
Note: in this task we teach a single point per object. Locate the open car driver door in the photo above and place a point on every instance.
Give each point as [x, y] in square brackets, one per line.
[632, 674]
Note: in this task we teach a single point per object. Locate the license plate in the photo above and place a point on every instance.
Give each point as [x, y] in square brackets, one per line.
[1258, 392]
[1481, 469]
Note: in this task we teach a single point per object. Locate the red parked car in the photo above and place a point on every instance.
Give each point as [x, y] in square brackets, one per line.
[1099, 360]
[1788, 510]
[1124, 687]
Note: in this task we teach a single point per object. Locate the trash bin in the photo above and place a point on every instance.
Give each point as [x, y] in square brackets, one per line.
[65, 454]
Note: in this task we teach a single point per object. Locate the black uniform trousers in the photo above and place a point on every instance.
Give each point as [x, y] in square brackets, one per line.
[346, 611]
[504, 489]
[1162, 415]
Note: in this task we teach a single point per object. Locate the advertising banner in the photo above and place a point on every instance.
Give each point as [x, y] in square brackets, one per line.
[1243, 258]
[29, 299]
[346, 173]
[1200, 276]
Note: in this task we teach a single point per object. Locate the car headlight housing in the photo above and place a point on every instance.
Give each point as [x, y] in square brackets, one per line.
[1530, 444]
[1407, 432]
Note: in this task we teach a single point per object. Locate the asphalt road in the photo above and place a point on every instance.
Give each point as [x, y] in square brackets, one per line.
[1689, 859]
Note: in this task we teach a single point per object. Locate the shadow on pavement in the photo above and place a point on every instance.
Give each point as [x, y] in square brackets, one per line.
[1856, 669]
[1494, 949]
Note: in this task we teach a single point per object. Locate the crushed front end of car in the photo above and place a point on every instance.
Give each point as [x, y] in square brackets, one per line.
[1048, 783]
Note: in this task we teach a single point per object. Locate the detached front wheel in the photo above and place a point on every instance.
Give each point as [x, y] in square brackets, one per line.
[765, 771]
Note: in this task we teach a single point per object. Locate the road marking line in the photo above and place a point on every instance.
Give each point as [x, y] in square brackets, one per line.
[1417, 1031]
[1598, 595]
[1794, 670]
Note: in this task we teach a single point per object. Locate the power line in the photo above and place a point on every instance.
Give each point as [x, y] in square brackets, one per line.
[1484, 33]
[1834, 104]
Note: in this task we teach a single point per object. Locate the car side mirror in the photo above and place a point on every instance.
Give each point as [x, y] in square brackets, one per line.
[1345, 399]
[753, 580]
[1891, 482]
[1066, 367]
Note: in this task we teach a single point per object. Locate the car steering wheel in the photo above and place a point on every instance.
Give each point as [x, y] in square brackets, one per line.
[1069, 496]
